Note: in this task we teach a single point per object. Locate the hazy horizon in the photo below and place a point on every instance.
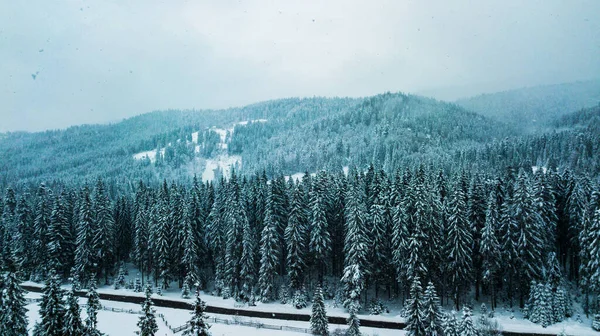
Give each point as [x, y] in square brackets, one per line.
[75, 62]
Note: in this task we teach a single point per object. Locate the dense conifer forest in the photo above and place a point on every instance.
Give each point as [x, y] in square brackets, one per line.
[402, 197]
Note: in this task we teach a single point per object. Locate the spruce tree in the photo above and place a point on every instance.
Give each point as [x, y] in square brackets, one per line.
[459, 242]
[529, 228]
[13, 319]
[415, 310]
[84, 261]
[355, 246]
[147, 322]
[60, 244]
[197, 324]
[320, 239]
[235, 219]
[73, 325]
[450, 325]
[353, 321]
[432, 312]
[319, 324]
[467, 327]
[52, 310]
[23, 238]
[40, 231]
[296, 240]
[104, 235]
[191, 252]
[489, 248]
[247, 261]
[269, 256]
[93, 306]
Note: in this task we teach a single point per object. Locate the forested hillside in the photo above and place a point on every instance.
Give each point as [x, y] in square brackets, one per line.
[401, 193]
[534, 108]
[298, 135]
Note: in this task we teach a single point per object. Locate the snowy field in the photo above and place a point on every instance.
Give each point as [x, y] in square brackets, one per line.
[176, 317]
[124, 323]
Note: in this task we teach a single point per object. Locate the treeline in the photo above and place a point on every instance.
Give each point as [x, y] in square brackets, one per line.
[370, 232]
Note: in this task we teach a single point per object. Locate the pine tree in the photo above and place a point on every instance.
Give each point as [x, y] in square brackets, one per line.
[432, 318]
[40, 231]
[23, 238]
[459, 242]
[489, 248]
[295, 237]
[197, 324]
[593, 264]
[450, 325]
[191, 252]
[355, 246]
[235, 219]
[52, 310]
[13, 319]
[476, 213]
[141, 236]
[60, 244]
[120, 281]
[185, 289]
[147, 322]
[247, 261]
[137, 286]
[73, 325]
[8, 218]
[415, 310]
[320, 239]
[529, 228]
[93, 306]
[381, 251]
[467, 327]
[318, 318]
[353, 321]
[84, 264]
[103, 241]
[163, 239]
[559, 305]
[269, 256]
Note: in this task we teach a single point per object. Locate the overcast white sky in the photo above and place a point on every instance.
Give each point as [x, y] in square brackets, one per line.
[100, 61]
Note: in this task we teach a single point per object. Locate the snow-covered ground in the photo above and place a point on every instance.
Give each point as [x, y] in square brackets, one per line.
[178, 317]
[125, 323]
[151, 154]
[224, 162]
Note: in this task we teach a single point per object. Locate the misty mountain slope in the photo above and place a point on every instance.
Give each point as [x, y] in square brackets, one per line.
[300, 134]
[582, 118]
[535, 107]
[386, 130]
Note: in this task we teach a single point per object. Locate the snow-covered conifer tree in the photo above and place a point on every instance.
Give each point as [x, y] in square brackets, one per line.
[73, 325]
[147, 321]
[13, 318]
[319, 324]
[432, 313]
[197, 324]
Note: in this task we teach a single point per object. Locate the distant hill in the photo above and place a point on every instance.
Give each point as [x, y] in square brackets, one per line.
[294, 135]
[535, 107]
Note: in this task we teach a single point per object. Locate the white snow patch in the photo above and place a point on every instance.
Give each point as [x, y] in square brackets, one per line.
[345, 169]
[151, 154]
[536, 168]
[224, 162]
[221, 132]
[243, 123]
[195, 137]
